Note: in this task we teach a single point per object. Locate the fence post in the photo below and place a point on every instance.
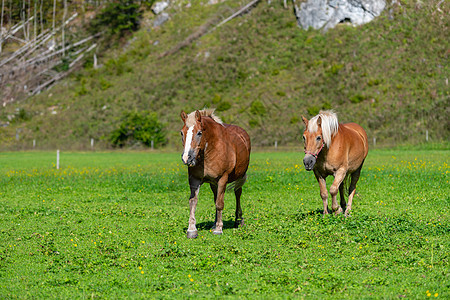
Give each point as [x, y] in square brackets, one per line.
[34, 144]
[276, 145]
[92, 143]
[374, 141]
[426, 135]
[57, 159]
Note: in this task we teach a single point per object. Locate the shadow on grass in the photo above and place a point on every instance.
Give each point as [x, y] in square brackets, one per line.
[208, 225]
[303, 215]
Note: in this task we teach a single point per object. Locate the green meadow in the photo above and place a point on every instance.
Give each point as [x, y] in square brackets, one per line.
[113, 225]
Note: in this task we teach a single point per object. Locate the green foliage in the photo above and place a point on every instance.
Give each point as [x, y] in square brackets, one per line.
[22, 115]
[118, 18]
[125, 215]
[253, 123]
[223, 106]
[257, 108]
[334, 69]
[356, 98]
[313, 110]
[294, 120]
[139, 127]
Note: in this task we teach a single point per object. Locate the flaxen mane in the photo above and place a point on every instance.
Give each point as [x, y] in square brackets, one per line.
[207, 112]
[329, 124]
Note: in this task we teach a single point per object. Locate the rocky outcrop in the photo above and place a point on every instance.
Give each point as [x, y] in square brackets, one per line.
[161, 19]
[326, 14]
[158, 7]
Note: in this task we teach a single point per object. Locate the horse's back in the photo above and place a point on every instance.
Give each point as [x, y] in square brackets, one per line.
[239, 136]
[356, 139]
[361, 134]
[240, 140]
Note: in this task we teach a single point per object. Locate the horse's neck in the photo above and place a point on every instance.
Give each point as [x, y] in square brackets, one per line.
[215, 135]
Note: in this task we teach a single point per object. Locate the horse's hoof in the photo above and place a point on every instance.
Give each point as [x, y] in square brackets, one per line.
[216, 232]
[192, 234]
[338, 211]
[238, 224]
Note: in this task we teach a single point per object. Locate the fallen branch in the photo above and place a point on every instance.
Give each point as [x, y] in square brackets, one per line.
[81, 55]
[59, 76]
[241, 11]
[202, 30]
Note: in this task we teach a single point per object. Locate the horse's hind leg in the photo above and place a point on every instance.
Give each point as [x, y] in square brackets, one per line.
[342, 195]
[239, 221]
[352, 189]
[221, 185]
[214, 190]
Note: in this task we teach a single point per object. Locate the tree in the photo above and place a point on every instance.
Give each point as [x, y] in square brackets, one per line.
[118, 18]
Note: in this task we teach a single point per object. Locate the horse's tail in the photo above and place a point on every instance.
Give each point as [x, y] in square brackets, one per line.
[348, 179]
[346, 183]
[237, 184]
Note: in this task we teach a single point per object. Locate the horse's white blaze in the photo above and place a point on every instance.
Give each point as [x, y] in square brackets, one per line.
[187, 145]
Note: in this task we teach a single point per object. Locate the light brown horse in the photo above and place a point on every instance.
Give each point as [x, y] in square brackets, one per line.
[334, 149]
[218, 154]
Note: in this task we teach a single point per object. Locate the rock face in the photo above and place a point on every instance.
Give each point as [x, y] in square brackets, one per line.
[326, 14]
[158, 7]
[161, 19]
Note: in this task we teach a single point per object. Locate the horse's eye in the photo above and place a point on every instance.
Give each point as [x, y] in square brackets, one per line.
[199, 133]
[318, 138]
[304, 138]
[181, 132]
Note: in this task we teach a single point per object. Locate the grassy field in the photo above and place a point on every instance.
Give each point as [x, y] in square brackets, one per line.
[110, 225]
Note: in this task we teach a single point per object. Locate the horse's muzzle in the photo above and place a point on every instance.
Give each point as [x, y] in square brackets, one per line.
[191, 161]
[309, 161]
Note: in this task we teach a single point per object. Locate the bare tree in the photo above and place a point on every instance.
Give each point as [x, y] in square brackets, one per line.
[63, 28]
[1, 26]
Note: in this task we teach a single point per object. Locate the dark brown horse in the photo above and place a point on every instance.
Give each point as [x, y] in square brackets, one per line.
[215, 153]
[334, 149]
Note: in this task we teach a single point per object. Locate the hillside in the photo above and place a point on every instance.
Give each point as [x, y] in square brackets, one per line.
[261, 71]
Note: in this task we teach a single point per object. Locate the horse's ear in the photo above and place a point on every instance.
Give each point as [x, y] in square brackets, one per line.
[183, 116]
[198, 116]
[319, 121]
[305, 120]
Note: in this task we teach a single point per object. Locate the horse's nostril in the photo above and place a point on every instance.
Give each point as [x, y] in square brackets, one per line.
[309, 162]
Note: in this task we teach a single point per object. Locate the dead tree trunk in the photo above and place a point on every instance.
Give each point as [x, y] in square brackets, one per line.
[1, 26]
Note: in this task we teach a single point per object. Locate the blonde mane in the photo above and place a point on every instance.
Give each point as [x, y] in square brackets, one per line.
[329, 125]
[207, 112]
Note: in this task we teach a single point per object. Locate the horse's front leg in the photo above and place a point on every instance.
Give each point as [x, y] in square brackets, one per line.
[338, 179]
[220, 203]
[194, 184]
[323, 191]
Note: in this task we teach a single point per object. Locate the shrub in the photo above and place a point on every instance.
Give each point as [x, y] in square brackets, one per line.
[356, 98]
[313, 110]
[257, 108]
[139, 127]
[118, 17]
[223, 106]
